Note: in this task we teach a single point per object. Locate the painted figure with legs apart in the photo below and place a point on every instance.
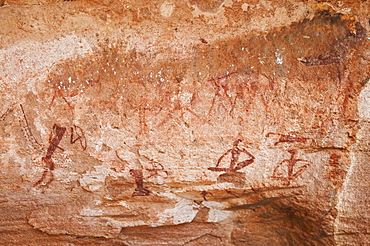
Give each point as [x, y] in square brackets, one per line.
[54, 140]
[139, 173]
[293, 170]
[138, 176]
[235, 164]
[140, 190]
[77, 134]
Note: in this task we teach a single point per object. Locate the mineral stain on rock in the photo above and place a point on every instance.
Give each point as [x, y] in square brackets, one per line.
[210, 6]
[236, 76]
[238, 179]
[237, 79]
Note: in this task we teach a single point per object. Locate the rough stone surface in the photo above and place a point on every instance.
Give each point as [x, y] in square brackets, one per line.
[194, 122]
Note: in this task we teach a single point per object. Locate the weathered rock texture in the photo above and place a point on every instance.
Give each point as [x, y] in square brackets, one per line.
[195, 122]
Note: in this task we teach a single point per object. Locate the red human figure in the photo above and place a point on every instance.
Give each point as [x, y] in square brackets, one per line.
[139, 180]
[54, 140]
[77, 134]
[291, 163]
[235, 154]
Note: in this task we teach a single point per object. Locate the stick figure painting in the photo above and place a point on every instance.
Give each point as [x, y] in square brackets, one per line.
[292, 171]
[235, 155]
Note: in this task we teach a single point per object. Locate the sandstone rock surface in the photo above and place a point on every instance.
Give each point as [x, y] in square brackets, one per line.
[195, 122]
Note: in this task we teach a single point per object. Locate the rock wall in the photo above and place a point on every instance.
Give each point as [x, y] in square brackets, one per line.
[195, 122]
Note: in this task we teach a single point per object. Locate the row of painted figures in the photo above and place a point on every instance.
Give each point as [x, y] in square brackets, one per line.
[287, 170]
[238, 157]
